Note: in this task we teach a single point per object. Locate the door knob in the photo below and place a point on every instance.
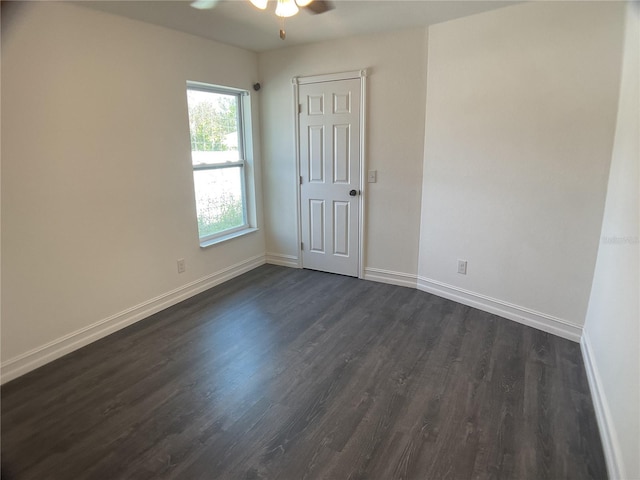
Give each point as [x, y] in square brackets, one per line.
[353, 193]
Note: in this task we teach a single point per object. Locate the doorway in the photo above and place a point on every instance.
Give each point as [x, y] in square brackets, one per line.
[330, 143]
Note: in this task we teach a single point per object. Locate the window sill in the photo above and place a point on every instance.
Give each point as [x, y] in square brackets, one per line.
[224, 238]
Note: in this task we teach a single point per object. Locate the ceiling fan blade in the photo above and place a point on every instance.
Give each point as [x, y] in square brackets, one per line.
[204, 4]
[320, 6]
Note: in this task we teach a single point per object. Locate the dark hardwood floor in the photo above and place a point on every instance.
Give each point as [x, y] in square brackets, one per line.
[295, 374]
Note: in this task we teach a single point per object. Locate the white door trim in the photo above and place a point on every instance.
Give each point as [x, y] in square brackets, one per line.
[332, 77]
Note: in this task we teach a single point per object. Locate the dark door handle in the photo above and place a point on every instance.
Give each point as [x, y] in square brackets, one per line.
[353, 193]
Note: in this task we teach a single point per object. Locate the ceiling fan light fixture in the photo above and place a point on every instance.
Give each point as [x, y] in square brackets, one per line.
[303, 3]
[204, 4]
[261, 4]
[286, 8]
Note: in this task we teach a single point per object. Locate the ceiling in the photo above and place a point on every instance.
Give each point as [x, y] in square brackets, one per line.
[237, 22]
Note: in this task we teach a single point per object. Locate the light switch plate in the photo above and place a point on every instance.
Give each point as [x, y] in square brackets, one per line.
[462, 267]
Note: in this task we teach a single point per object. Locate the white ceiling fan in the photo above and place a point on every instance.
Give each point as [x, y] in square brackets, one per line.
[284, 8]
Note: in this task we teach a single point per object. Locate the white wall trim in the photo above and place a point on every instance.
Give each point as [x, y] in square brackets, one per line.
[526, 316]
[329, 77]
[283, 260]
[296, 154]
[48, 352]
[364, 190]
[390, 277]
[612, 454]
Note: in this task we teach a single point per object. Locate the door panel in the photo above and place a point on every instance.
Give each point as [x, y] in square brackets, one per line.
[316, 227]
[330, 168]
[341, 214]
[342, 102]
[341, 154]
[316, 153]
[315, 104]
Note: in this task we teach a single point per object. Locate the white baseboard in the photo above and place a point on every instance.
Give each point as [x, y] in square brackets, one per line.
[531, 318]
[39, 356]
[612, 454]
[393, 278]
[283, 260]
[541, 321]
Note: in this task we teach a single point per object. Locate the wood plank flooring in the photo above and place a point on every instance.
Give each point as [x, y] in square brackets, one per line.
[295, 374]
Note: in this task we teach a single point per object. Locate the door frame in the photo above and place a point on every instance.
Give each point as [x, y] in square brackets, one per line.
[332, 77]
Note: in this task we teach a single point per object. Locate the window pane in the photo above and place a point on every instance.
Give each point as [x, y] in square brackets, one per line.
[218, 199]
[213, 122]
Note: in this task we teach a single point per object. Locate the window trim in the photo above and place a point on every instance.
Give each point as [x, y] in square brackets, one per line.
[229, 235]
[243, 163]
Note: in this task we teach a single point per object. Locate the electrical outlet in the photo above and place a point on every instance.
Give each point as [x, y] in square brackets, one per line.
[181, 266]
[462, 267]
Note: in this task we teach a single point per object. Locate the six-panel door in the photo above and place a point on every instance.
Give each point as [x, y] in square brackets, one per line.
[330, 169]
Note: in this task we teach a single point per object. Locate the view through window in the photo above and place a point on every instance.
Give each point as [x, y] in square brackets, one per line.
[217, 154]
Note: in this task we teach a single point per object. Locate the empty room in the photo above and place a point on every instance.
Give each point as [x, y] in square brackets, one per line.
[337, 239]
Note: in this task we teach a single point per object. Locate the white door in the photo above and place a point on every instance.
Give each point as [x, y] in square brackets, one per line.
[330, 175]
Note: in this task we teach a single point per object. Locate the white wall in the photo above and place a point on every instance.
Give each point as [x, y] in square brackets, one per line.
[521, 106]
[97, 190]
[611, 333]
[394, 145]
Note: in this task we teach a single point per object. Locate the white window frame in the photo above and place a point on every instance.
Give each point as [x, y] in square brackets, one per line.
[244, 150]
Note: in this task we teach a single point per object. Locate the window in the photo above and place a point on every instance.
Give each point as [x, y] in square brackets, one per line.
[218, 155]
